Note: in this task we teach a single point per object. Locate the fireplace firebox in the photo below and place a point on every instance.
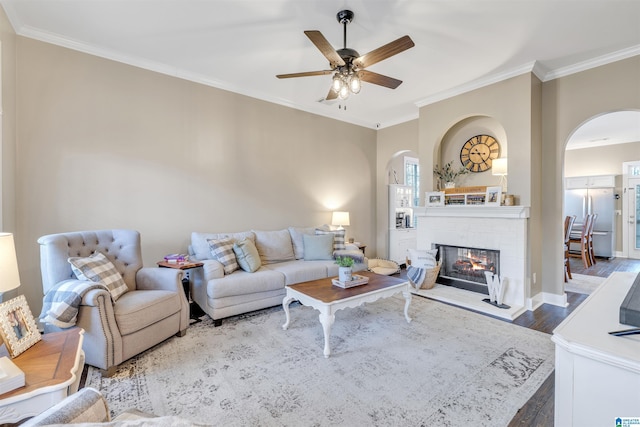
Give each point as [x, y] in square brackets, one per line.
[465, 268]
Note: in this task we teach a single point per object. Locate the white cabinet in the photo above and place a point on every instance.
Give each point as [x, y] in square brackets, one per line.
[600, 181]
[399, 241]
[597, 375]
[402, 232]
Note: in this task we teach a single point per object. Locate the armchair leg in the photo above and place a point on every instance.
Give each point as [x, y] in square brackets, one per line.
[109, 371]
[182, 333]
[217, 322]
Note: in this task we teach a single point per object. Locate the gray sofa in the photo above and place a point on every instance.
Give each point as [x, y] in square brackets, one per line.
[283, 262]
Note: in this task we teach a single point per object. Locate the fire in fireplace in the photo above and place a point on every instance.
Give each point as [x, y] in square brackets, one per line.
[465, 267]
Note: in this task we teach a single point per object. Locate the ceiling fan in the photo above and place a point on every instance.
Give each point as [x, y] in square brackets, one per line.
[348, 65]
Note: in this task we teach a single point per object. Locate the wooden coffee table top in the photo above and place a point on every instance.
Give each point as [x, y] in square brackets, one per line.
[325, 291]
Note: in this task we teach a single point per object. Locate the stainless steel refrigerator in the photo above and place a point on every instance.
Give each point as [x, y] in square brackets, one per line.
[599, 201]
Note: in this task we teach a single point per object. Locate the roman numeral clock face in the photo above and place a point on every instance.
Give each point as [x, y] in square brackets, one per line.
[478, 152]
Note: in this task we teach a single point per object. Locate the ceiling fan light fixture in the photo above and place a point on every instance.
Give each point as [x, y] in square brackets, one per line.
[344, 92]
[337, 83]
[354, 83]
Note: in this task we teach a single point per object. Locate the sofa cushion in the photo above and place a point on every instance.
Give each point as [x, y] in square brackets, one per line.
[200, 246]
[318, 247]
[222, 250]
[242, 283]
[299, 271]
[296, 239]
[247, 255]
[274, 246]
[136, 310]
[98, 268]
[338, 238]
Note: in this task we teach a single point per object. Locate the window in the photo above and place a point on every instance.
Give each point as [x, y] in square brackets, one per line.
[412, 177]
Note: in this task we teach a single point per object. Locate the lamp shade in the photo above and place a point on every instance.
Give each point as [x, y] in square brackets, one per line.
[499, 166]
[9, 276]
[340, 219]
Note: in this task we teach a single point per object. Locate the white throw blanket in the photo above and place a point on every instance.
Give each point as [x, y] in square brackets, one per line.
[61, 303]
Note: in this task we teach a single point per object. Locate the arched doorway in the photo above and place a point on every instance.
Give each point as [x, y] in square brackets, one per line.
[604, 146]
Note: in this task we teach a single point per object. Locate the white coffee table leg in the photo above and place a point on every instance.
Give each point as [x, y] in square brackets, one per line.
[285, 305]
[407, 301]
[326, 319]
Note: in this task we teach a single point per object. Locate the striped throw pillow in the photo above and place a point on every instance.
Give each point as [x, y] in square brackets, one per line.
[98, 268]
[222, 250]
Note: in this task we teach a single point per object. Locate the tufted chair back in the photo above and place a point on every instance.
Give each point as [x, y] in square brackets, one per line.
[122, 247]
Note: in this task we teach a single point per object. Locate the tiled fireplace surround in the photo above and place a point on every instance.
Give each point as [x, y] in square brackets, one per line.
[502, 228]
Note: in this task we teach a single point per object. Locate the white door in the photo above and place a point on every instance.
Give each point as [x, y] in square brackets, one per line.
[632, 216]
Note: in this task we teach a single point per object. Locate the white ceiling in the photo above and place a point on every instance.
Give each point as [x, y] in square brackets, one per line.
[240, 45]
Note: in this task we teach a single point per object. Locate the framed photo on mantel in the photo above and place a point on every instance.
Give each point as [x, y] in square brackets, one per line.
[493, 197]
[434, 198]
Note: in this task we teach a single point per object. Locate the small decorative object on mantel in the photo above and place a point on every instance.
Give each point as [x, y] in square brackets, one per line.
[447, 175]
[497, 287]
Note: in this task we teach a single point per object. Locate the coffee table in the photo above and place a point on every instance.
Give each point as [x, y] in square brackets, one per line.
[328, 299]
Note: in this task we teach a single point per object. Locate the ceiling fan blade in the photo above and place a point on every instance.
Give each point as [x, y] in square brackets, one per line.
[304, 74]
[378, 79]
[325, 47]
[331, 95]
[384, 52]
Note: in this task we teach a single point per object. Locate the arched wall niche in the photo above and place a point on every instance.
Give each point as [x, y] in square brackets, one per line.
[454, 138]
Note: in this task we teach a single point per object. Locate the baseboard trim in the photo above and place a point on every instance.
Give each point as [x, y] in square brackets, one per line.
[555, 299]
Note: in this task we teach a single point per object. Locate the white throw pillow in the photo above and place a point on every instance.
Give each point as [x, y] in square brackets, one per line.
[98, 268]
[274, 246]
[423, 258]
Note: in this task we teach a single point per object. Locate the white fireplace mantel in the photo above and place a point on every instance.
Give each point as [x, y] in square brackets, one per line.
[502, 228]
[514, 212]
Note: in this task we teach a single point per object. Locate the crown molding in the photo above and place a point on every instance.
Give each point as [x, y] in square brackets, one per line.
[593, 63]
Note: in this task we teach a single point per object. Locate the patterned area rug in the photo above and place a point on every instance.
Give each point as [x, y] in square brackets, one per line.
[448, 367]
[583, 284]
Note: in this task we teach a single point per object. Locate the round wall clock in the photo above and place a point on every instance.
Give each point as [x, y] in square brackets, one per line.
[478, 152]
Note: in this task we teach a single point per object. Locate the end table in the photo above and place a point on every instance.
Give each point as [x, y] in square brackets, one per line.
[52, 370]
[195, 312]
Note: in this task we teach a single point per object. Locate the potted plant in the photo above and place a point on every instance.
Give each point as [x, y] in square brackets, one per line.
[345, 265]
[448, 175]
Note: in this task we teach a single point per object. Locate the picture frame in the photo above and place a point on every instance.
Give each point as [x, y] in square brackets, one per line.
[434, 198]
[494, 196]
[17, 326]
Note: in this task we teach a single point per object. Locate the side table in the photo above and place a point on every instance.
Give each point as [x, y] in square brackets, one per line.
[52, 370]
[195, 312]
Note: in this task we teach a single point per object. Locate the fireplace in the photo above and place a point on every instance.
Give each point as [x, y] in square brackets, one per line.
[464, 267]
[501, 228]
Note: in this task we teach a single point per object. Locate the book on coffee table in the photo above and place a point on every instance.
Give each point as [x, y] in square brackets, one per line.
[11, 377]
[356, 280]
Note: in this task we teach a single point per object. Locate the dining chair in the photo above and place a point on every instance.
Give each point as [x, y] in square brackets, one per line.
[569, 220]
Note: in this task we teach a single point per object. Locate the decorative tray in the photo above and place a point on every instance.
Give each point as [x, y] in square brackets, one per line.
[357, 280]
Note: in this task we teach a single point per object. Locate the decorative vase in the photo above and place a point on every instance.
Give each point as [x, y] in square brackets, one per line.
[450, 185]
[344, 274]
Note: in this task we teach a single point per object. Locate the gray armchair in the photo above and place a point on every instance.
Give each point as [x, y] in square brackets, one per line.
[152, 310]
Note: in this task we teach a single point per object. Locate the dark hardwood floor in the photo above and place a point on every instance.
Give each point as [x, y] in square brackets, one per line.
[538, 411]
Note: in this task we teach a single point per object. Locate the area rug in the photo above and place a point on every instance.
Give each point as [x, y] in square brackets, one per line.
[583, 284]
[448, 367]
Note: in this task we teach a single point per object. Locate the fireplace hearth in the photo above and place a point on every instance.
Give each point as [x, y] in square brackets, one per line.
[464, 267]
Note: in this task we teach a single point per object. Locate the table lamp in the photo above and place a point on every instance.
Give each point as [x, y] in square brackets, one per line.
[9, 279]
[499, 168]
[340, 219]
[9, 275]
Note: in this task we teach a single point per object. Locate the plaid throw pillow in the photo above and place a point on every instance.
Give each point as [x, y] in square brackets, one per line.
[222, 250]
[98, 268]
[338, 238]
